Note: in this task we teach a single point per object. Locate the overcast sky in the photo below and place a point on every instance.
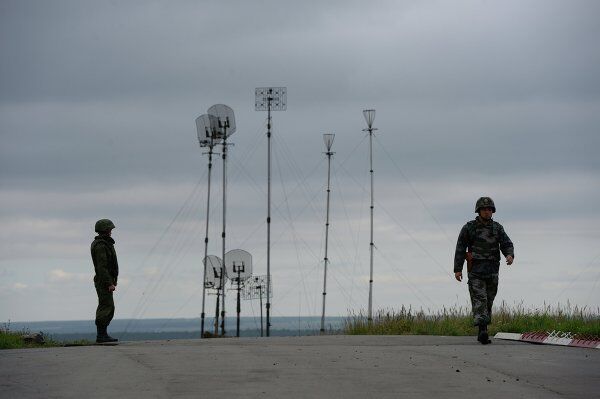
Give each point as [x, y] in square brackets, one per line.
[97, 107]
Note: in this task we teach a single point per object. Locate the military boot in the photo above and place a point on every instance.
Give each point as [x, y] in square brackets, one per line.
[483, 336]
[99, 333]
[102, 335]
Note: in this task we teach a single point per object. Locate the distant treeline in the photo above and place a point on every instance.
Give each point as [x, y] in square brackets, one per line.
[154, 336]
[177, 328]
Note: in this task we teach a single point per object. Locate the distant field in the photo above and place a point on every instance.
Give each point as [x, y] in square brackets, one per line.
[458, 321]
[75, 331]
[405, 321]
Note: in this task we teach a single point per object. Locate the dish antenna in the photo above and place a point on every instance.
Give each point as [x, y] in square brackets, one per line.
[269, 99]
[369, 115]
[238, 266]
[328, 139]
[224, 118]
[214, 267]
[225, 127]
[207, 129]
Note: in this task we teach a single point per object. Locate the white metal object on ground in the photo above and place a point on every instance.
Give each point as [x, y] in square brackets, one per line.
[552, 338]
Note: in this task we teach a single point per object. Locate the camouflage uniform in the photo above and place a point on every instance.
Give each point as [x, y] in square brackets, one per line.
[107, 271]
[484, 240]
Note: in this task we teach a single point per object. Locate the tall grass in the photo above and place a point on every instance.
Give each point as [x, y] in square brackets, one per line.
[15, 340]
[458, 321]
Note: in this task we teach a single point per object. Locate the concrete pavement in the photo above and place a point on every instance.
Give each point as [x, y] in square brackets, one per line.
[304, 367]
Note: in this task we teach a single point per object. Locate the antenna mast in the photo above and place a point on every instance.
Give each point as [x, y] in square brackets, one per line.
[207, 137]
[369, 115]
[328, 138]
[226, 127]
[269, 99]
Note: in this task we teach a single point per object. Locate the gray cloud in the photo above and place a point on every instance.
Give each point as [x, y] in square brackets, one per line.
[97, 109]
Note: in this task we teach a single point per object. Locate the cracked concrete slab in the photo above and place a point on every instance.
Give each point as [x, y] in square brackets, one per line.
[304, 367]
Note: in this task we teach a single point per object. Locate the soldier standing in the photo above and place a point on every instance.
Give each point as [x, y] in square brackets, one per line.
[480, 242]
[106, 267]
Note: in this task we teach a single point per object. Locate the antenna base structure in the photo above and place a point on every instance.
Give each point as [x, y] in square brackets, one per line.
[255, 288]
[213, 267]
[269, 99]
[369, 115]
[238, 264]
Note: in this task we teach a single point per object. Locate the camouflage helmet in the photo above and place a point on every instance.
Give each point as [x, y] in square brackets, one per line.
[485, 202]
[103, 225]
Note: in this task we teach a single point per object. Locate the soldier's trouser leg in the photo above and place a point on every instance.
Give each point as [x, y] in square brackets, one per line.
[491, 287]
[106, 306]
[482, 292]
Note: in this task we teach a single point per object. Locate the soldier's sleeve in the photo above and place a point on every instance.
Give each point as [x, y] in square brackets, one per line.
[101, 257]
[506, 245]
[116, 276]
[461, 249]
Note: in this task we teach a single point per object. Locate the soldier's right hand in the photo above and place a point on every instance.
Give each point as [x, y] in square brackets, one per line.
[458, 276]
[111, 288]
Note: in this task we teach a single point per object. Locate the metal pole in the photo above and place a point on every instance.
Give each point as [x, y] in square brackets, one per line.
[326, 260]
[261, 309]
[239, 304]
[371, 244]
[269, 215]
[217, 312]
[210, 152]
[224, 156]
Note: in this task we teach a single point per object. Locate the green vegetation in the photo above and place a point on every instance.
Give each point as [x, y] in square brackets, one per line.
[17, 340]
[457, 321]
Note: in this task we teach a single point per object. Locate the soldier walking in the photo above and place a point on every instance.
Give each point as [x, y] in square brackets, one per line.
[106, 267]
[480, 242]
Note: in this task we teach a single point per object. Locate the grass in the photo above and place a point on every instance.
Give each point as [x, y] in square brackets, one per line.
[458, 321]
[15, 340]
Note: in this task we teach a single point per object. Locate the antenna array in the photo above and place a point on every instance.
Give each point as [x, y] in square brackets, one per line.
[269, 99]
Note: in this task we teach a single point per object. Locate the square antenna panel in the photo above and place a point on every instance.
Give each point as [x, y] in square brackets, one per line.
[256, 287]
[275, 96]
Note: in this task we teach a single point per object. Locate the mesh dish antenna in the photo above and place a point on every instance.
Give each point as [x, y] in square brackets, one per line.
[225, 120]
[214, 266]
[207, 128]
[238, 262]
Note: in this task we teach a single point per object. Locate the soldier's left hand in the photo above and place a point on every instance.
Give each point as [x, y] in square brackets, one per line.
[509, 260]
